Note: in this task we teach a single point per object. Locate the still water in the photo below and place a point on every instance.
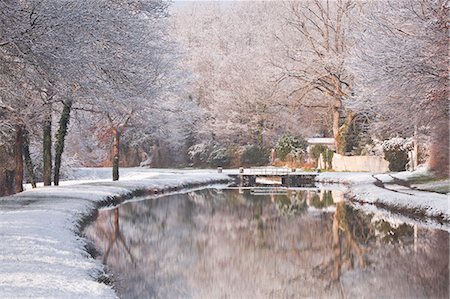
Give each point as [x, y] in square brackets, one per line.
[251, 244]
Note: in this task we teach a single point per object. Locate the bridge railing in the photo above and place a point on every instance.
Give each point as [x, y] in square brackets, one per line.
[267, 171]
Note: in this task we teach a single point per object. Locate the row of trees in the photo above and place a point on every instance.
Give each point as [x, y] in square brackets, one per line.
[400, 67]
[263, 68]
[230, 49]
[346, 69]
[250, 73]
[109, 61]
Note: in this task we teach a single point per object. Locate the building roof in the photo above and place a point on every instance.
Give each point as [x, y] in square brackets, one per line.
[320, 140]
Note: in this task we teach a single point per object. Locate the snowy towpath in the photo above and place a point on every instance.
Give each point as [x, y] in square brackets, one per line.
[381, 190]
[41, 254]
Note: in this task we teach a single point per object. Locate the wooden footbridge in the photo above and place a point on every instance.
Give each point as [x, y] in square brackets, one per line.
[289, 177]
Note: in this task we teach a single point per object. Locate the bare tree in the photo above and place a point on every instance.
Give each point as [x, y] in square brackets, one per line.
[316, 46]
[96, 56]
[400, 62]
[228, 51]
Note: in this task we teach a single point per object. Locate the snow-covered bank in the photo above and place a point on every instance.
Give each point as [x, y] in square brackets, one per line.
[41, 254]
[370, 188]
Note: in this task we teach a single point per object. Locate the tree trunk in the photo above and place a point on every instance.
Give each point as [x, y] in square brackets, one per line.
[7, 166]
[415, 158]
[18, 172]
[27, 158]
[3, 186]
[336, 113]
[341, 137]
[60, 138]
[47, 150]
[260, 134]
[336, 117]
[336, 247]
[9, 179]
[116, 152]
[438, 161]
[6, 182]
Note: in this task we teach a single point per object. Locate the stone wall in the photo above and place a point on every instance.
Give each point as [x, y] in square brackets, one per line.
[360, 163]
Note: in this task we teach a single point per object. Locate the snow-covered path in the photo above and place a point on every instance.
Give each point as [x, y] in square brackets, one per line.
[363, 188]
[41, 254]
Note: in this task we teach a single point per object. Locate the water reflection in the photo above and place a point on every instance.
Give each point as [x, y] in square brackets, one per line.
[250, 244]
[116, 239]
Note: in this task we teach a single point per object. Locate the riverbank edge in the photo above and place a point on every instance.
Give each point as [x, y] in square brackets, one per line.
[76, 221]
[115, 200]
[364, 188]
[118, 199]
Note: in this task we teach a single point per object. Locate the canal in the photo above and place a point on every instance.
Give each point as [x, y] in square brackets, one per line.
[267, 243]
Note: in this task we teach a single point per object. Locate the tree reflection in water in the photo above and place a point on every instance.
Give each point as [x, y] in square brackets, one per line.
[211, 244]
[116, 239]
[345, 248]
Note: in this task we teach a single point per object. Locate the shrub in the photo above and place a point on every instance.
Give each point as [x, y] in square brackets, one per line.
[320, 204]
[327, 154]
[397, 159]
[296, 155]
[396, 153]
[254, 155]
[290, 146]
[219, 156]
[234, 154]
[290, 207]
[199, 154]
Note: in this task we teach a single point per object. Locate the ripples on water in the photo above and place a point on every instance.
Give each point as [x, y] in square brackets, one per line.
[243, 244]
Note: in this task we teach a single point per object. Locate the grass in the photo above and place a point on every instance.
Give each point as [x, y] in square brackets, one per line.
[423, 179]
[442, 189]
[411, 212]
[425, 182]
[438, 185]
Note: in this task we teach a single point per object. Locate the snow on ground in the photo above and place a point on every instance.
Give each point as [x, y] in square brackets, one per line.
[433, 185]
[436, 185]
[363, 189]
[97, 174]
[404, 175]
[41, 254]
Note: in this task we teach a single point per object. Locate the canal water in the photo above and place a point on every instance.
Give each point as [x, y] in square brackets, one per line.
[267, 243]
